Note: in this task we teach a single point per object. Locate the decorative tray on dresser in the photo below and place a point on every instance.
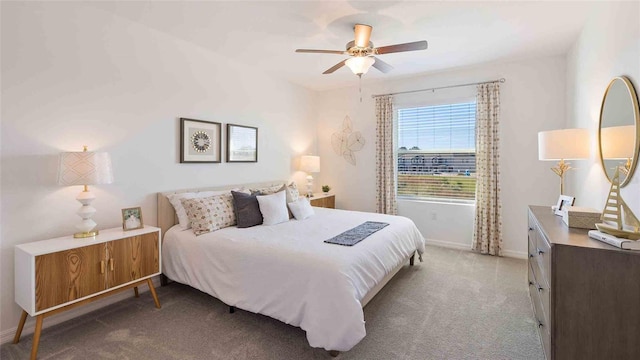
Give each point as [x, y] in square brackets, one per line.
[585, 293]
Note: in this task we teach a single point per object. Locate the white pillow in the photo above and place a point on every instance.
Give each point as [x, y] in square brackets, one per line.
[176, 201]
[301, 208]
[273, 208]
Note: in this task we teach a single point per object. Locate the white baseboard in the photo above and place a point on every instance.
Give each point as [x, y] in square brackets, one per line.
[459, 246]
[29, 327]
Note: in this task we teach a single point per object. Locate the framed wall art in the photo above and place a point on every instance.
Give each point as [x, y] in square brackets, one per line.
[200, 141]
[132, 218]
[242, 143]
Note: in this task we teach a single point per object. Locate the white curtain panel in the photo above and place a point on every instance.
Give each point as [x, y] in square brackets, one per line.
[385, 165]
[487, 234]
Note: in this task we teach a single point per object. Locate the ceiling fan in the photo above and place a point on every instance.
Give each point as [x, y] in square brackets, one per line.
[363, 52]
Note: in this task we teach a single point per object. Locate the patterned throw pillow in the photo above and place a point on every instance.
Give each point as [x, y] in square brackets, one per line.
[292, 192]
[210, 213]
[267, 190]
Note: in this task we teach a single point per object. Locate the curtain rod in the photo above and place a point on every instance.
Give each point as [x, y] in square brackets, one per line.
[501, 80]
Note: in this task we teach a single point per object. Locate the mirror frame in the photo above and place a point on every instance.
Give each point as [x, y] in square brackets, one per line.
[636, 114]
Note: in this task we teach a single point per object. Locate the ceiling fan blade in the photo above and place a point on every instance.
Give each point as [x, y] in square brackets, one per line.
[362, 35]
[382, 66]
[339, 52]
[417, 45]
[335, 67]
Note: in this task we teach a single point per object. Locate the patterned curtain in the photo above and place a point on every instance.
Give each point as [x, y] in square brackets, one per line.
[487, 234]
[385, 165]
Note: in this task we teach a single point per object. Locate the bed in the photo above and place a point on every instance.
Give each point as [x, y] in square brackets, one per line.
[287, 272]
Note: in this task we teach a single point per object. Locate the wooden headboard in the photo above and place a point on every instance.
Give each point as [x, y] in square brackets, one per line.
[167, 215]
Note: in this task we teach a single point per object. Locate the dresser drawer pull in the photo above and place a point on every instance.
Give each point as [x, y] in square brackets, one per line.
[111, 264]
[540, 252]
[540, 288]
[531, 256]
[530, 283]
[530, 228]
[102, 267]
[540, 324]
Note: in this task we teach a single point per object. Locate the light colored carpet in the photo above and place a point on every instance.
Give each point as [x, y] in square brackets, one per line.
[454, 305]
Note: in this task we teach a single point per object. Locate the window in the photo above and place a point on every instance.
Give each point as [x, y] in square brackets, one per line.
[436, 152]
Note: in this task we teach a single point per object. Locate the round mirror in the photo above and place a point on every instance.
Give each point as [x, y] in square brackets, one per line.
[619, 130]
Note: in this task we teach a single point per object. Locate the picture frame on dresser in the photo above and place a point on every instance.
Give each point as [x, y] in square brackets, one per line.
[132, 219]
[200, 141]
[242, 143]
[563, 202]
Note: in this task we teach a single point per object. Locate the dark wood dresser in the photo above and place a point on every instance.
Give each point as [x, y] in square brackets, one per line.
[585, 294]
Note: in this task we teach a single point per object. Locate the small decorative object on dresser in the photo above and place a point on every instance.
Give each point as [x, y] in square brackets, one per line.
[563, 202]
[617, 218]
[59, 274]
[584, 292]
[132, 218]
[580, 217]
[242, 143]
[323, 200]
[326, 188]
[85, 168]
[200, 141]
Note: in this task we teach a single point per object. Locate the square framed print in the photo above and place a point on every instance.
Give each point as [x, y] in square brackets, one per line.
[563, 202]
[132, 218]
[200, 141]
[242, 143]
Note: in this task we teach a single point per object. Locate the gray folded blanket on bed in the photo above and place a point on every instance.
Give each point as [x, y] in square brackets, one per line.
[357, 234]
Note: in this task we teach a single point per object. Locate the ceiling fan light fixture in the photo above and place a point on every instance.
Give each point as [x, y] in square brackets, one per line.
[361, 64]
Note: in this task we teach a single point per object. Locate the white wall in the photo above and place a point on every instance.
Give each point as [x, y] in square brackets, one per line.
[608, 46]
[533, 99]
[75, 75]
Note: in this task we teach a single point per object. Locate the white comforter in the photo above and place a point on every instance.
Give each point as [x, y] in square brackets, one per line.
[286, 271]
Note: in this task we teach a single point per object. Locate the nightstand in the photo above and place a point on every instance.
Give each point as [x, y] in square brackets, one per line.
[323, 200]
[55, 275]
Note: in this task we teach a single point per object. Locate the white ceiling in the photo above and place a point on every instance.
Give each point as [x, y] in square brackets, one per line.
[264, 34]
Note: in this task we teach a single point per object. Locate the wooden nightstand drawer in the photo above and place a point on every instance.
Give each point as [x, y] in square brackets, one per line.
[323, 200]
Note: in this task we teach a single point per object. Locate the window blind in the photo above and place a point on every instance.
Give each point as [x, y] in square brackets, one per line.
[436, 154]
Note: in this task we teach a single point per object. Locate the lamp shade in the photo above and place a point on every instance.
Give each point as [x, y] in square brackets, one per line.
[564, 144]
[310, 163]
[360, 64]
[618, 142]
[84, 168]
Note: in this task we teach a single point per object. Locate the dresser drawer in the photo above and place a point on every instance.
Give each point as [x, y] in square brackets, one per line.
[542, 290]
[543, 324]
[543, 252]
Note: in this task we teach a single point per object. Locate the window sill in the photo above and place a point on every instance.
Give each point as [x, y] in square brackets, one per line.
[439, 201]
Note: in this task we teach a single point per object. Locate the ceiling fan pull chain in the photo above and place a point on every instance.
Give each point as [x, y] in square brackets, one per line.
[360, 86]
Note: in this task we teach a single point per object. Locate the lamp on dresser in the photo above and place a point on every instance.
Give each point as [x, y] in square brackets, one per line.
[85, 168]
[561, 145]
[310, 164]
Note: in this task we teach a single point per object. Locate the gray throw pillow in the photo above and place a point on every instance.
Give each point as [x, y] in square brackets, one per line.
[247, 209]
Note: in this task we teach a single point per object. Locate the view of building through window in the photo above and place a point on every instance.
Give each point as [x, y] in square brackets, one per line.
[436, 152]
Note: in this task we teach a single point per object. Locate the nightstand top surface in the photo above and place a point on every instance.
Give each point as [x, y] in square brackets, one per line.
[69, 242]
[321, 195]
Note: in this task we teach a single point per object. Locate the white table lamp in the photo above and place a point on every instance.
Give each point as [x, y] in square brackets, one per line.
[85, 168]
[561, 145]
[310, 164]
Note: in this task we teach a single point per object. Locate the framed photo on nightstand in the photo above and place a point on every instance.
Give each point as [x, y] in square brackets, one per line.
[132, 218]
